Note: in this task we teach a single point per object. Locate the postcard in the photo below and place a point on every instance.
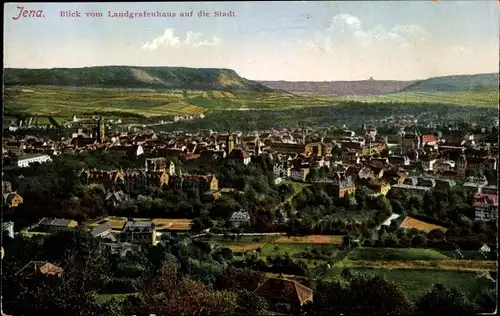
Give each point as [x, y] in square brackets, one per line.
[250, 158]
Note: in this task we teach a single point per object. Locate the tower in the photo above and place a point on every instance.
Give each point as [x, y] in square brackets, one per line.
[257, 146]
[101, 130]
[229, 142]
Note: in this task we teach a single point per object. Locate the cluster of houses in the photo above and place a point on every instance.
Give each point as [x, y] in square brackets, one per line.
[350, 160]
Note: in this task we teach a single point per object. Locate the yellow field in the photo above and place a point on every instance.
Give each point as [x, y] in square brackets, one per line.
[311, 239]
[117, 223]
[415, 223]
[244, 247]
[172, 223]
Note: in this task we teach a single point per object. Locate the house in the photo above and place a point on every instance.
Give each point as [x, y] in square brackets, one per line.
[239, 218]
[122, 249]
[54, 225]
[139, 232]
[116, 198]
[202, 184]
[282, 170]
[299, 173]
[410, 186]
[6, 187]
[40, 268]
[338, 187]
[160, 164]
[12, 199]
[135, 181]
[445, 184]
[284, 295]
[238, 156]
[399, 160]
[474, 185]
[9, 228]
[486, 206]
[26, 160]
[102, 230]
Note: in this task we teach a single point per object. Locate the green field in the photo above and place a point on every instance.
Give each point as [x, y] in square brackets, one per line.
[64, 102]
[416, 283]
[396, 254]
[464, 98]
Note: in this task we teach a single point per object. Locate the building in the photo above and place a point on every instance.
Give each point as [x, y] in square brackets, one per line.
[486, 206]
[101, 130]
[238, 156]
[6, 187]
[26, 160]
[411, 186]
[139, 232]
[160, 164]
[240, 218]
[12, 199]
[284, 295]
[116, 198]
[40, 268]
[337, 188]
[102, 230]
[53, 225]
[122, 249]
[8, 227]
[299, 173]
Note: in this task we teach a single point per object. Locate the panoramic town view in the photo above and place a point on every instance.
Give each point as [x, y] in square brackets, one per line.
[237, 158]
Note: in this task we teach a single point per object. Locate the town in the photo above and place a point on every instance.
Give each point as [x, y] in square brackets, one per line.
[431, 188]
[250, 158]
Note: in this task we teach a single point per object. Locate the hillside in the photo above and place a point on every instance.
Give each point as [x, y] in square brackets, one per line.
[340, 88]
[132, 77]
[473, 83]
[478, 82]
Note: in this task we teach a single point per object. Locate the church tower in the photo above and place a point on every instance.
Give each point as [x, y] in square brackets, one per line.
[229, 142]
[257, 146]
[101, 130]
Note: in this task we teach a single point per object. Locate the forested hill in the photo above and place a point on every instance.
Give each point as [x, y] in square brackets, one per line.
[132, 77]
[478, 82]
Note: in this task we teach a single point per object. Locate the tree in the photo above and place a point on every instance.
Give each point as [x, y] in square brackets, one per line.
[443, 300]
[251, 304]
[375, 295]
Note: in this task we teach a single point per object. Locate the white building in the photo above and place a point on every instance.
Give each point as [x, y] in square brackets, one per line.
[240, 218]
[26, 160]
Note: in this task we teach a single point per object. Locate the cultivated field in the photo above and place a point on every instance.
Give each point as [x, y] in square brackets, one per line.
[311, 239]
[64, 102]
[410, 222]
[176, 224]
[396, 254]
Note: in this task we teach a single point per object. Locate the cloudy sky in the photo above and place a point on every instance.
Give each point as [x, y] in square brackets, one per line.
[314, 41]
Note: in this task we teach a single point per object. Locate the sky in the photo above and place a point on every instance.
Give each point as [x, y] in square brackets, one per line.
[294, 41]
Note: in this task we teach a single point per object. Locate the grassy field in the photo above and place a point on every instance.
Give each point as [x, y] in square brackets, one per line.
[415, 282]
[464, 98]
[398, 254]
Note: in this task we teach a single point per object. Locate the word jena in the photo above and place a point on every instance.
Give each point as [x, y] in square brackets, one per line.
[28, 13]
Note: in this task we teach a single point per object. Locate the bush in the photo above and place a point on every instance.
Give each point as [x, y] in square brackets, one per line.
[120, 285]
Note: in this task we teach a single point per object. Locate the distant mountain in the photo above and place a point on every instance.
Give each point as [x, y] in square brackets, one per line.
[132, 77]
[365, 87]
[478, 82]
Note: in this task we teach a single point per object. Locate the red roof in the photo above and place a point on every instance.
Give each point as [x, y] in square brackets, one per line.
[429, 138]
[238, 154]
